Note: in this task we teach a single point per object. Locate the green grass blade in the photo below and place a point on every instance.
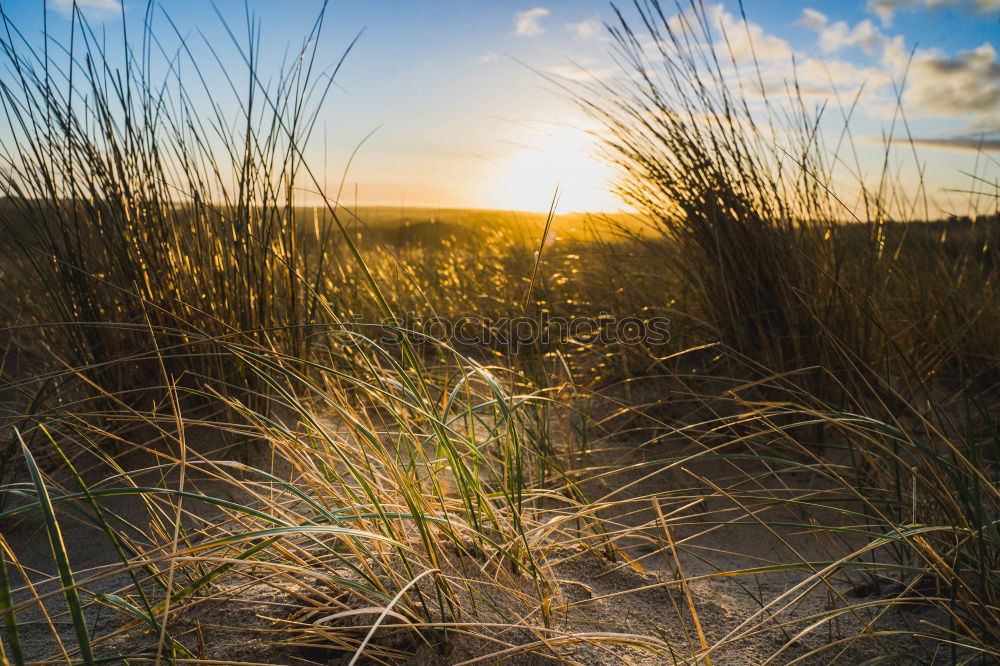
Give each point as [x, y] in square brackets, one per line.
[61, 558]
[9, 618]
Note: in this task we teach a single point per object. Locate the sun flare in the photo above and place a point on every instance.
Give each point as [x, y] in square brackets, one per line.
[564, 158]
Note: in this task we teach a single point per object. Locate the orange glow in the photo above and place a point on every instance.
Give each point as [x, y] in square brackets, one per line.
[527, 178]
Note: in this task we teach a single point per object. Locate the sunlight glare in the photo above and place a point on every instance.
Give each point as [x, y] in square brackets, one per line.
[563, 157]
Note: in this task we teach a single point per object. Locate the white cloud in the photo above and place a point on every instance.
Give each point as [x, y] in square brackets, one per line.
[586, 29]
[488, 58]
[528, 22]
[90, 8]
[964, 86]
[813, 19]
[579, 72]
[974, 143]
[837, 35]
[744, 40]
[965, 83]
[886, 9]
[844, 76]
[732, 37]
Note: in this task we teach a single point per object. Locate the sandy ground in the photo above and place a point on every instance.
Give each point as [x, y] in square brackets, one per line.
[633, 594]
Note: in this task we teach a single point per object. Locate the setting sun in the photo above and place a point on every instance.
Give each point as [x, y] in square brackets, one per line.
[562, 157]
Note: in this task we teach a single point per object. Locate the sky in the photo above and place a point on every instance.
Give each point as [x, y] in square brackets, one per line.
[458, 103]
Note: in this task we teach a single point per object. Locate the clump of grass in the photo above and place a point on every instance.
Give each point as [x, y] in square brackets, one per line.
[762, 242]
[712, 177]
[135, 202]
[785, 274]
[375, 508]
[166, 244]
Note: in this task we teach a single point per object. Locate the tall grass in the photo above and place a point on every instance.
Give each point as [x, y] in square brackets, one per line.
[135, 199]
[891, 327]
[165, 242]
[767, 244]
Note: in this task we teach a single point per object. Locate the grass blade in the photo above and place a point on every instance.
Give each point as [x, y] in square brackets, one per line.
[60, 556]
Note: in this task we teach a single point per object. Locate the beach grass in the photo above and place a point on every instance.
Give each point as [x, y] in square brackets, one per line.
[226, 419]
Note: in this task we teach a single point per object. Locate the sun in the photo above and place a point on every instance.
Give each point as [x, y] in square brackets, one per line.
[526, 178]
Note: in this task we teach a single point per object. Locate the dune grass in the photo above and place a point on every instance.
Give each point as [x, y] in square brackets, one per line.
[198, 383]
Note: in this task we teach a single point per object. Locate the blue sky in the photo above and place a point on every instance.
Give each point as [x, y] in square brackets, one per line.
[463, 116]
